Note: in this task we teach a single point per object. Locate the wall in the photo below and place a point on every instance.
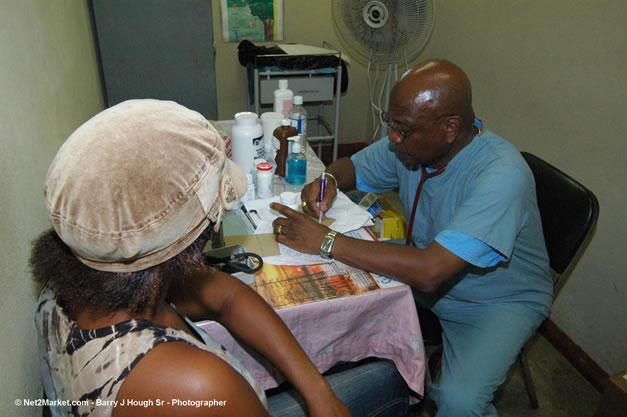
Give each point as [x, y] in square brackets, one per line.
[50, 85]
[306, 22]
[549, 76]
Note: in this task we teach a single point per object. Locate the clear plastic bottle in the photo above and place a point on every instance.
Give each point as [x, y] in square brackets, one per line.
[250, 194]
[283, 99]
[298, 117]
[296, 164]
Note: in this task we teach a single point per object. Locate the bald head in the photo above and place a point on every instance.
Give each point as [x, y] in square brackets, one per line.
[431, 114]
[436, 86]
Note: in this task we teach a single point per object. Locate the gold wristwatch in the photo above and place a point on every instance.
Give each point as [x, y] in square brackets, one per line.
[327, 244]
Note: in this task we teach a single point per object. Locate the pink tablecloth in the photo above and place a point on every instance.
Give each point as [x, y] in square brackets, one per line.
[381, 323]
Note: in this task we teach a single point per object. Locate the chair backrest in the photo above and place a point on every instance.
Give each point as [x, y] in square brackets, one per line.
[568, 210]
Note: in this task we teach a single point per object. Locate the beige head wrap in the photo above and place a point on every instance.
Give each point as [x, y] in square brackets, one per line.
[138, 183]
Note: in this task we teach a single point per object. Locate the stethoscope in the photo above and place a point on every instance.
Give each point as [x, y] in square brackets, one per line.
[425, 176]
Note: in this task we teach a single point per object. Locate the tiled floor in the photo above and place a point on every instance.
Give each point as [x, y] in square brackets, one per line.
[562, 391]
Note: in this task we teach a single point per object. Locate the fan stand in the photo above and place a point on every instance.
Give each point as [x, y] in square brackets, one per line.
[362, 25]
[386, 103]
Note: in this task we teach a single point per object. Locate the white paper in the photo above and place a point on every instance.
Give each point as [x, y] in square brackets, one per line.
[300, 49]
[348, 217]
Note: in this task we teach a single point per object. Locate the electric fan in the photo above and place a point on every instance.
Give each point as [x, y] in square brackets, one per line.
[386, 32]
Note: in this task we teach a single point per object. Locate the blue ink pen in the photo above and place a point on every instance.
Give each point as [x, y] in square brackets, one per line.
[323, 185]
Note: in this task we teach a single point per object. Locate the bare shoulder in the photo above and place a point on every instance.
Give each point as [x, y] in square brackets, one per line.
[176, 379]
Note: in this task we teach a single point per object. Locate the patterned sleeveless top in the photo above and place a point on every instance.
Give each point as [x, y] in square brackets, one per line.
[90, 365]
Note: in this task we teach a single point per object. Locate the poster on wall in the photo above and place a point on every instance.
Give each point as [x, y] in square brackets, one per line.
[254, 20]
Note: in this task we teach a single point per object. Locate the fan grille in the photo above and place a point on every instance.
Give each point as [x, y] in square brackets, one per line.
[407, 28]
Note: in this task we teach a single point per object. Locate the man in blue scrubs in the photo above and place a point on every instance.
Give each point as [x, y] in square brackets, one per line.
[475, 254]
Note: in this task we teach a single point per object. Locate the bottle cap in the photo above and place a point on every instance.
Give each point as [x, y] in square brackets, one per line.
[287, 198]
[264, 166]
[246, 118]
[282, 84]
[271, 116]
[296, 147]
[298, 100]
[286, 122]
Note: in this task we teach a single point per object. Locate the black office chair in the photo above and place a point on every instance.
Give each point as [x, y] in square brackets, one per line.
[569, 212]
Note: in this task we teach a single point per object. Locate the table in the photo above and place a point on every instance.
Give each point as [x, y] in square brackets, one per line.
[382, 323]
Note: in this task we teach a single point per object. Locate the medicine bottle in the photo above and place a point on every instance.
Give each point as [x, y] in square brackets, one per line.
[296, 164]
[288, 198]
[298, 117]
[250, 193]
[264, 180]
[246, 140]
[269, 121]
[283, 99]
[282, 135]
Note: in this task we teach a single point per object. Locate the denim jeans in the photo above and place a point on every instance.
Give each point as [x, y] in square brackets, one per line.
[373, 388]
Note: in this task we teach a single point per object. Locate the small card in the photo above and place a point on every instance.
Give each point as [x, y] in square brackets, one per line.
[261, 244]
[327, 221]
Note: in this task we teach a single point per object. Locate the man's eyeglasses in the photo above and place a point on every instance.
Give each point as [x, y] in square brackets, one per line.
[387, 120]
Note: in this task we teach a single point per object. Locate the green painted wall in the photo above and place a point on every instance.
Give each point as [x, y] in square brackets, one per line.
[50, 84]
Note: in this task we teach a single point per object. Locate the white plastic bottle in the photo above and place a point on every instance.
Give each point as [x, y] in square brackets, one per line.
[246, 140]
[288, 198]
[264, 180]
[298, 117]
[283, 99]
[270, 120]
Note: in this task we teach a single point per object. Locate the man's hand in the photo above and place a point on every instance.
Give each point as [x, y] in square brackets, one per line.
[310, 195]
[297, 230]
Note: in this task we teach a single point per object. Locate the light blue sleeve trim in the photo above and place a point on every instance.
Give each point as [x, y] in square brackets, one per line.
[362, 186]
[470, 249]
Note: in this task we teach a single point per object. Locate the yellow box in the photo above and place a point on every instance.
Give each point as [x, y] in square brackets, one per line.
[614, 399]
[389, 225]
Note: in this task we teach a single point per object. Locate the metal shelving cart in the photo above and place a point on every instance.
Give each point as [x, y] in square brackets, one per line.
[319, 85]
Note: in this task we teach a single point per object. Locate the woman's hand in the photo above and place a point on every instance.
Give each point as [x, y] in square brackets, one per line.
[325, 403]
[331, 409]
[297, 230]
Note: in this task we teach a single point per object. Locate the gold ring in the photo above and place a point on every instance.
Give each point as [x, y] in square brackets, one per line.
[278, 231]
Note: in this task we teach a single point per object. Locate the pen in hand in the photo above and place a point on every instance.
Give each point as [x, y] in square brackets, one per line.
[323, 184]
